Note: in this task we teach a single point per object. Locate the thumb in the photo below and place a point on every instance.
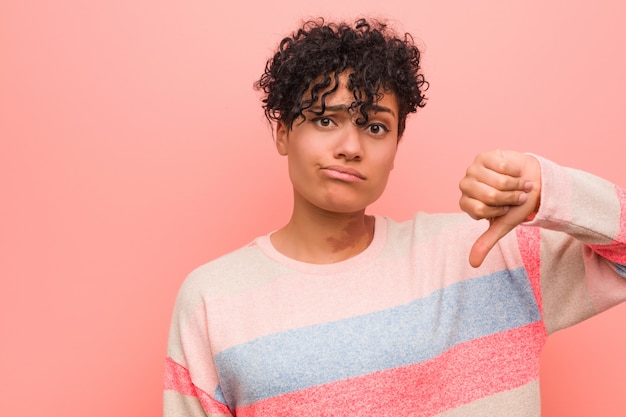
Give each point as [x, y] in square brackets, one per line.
[498, 228]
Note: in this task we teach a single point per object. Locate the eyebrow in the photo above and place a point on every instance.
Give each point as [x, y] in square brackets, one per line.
[342, 107]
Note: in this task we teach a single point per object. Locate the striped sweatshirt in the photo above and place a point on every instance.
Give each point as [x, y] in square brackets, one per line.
[405, 328]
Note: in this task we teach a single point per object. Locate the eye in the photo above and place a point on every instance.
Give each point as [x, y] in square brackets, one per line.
[323, 121]
[377, 129]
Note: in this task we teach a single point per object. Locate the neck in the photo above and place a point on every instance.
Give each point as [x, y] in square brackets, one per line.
[321, 237]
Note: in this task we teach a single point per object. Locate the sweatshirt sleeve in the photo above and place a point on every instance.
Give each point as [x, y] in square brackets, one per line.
[190, 380]
[581, 251]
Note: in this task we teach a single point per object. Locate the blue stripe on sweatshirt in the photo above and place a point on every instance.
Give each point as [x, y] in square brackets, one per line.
[304, 357]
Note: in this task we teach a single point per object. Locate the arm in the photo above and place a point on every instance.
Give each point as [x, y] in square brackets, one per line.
[579, 244]
[507, 188]
[181, 397]
[190, 382]
[582, 252]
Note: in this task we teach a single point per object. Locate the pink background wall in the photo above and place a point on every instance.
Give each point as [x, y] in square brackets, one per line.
[134, 149]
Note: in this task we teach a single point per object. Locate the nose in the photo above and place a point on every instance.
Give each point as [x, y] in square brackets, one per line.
[349, 145]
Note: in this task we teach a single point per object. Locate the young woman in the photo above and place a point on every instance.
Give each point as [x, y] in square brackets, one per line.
[345, 313]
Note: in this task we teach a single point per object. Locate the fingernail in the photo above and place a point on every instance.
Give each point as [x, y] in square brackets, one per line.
[522, 198]
[528, 186]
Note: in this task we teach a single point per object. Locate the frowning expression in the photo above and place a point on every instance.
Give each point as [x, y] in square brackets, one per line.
[336, 164]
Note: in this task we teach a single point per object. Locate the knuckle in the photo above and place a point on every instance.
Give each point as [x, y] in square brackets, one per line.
[502, 183]
[491, 196]
[503, 166]
[482, 211]
[470, 171]
[462, 183]
[471, 209]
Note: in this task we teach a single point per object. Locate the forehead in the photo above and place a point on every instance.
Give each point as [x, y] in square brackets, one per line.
[347, 96]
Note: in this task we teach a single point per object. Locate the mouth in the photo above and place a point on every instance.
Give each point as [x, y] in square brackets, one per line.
[344, 173]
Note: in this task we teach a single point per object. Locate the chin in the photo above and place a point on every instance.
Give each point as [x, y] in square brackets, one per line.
[345, 207]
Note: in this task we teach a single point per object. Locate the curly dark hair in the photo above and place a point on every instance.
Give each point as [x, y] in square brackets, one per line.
[379, 60]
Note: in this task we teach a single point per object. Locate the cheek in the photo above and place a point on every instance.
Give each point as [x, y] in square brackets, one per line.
[387, 159]
[298, 165]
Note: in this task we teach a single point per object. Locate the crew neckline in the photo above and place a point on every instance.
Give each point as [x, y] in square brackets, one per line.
[359, 260]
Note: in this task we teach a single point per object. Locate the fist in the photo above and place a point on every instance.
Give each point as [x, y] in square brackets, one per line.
[503, 187]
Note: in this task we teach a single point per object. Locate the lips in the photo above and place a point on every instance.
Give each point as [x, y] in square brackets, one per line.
[343, 173]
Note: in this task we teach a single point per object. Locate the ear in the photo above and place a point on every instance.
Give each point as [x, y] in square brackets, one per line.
[282, 138]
